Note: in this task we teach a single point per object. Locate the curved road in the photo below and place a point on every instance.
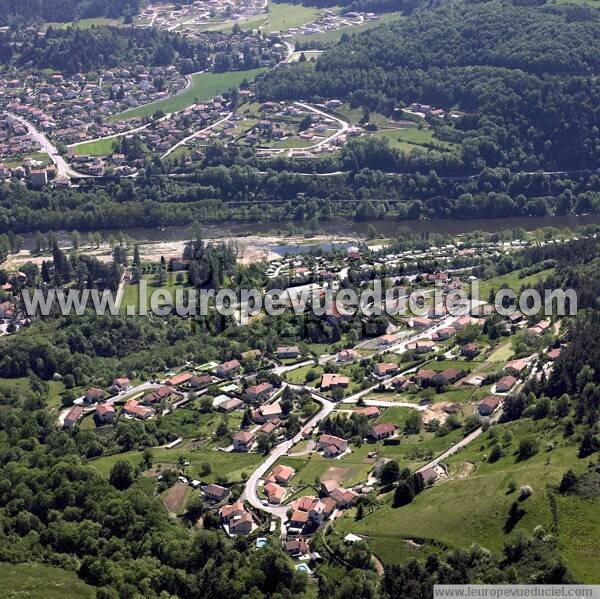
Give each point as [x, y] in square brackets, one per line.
[63, 169]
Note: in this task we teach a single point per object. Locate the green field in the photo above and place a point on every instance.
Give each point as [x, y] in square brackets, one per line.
[86, 23]
[230, 465]
[98, 147]
[410, 138]
[37, 581]
[473, 508]
[131, 293]
[203, 86]
[283, 16]
[512, 280]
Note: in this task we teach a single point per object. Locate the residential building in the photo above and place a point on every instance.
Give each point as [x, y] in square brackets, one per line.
[73, 415]
[215, 492]
[332, 380]
[382, 431]
[242, 441]
[488, 405]
[105, 412]
[228, 369]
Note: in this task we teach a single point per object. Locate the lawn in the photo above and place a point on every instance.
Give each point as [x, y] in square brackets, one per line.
[410, 138]
[231, 465]
[55, 389]
[203, 86]
[511, 280]
[99, 147]
[474, 509]
[86, 23]
[188, 423]
[283, 16]
[298, 375]
[131, 293]
[578, 534]
[30, 580]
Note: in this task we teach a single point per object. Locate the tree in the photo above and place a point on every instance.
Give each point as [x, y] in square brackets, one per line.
[404, 494]
[390, 472]
[495, 453]
[528, 447]
[568, 481]
[121, 475]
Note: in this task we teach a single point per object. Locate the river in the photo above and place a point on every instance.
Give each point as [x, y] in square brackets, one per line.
[342, 228]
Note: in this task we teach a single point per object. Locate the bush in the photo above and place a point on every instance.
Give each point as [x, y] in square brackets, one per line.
[524, 492]
[527, 447]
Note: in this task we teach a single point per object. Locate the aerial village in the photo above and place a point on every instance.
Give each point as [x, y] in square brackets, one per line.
[321, 424]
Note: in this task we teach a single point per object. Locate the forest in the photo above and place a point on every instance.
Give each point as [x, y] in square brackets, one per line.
[525, 77]
[64, 11]
[75, 50]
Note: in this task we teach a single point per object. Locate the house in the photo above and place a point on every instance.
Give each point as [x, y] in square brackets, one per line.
[200, 381]
[425, 377]
[270, 412]
[369, 411]
[382, 431]
[420, 322]
[401, 383]
[343, 497]
[179, 379]
[331, 380]
[134, 409]
[461, 323]
[281, 474]
[73, 415]
[7, 310]
[121, 384]
[429, 476]
[215, 492]
[252, 354]
[386, 340]
[450, 375]
[553, 354]
[258, 393]
[227, 369]
[38, 177]
[540, 328]
[469, 350]
[444, 333]
[505, 384]
[270, 427]
[230, 405]
[298, 519]
[296, 547]
[346, 355]
[327, 486]
[105, 412]
[519, 365]
[158, 395]
[488, 405]
[515, 317]
[421, 346]
[241, 525]
[331, 445]
[230, 511]
[242, 441]
[93, 395]
[385, 369]
[287, 351]
[275, 493]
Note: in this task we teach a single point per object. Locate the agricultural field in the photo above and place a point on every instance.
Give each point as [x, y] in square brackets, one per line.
[282, 16]
[472, 507]
[410, 138]
[512, 280]
[132, 291]
[229, 465]
[202, 86]
[37, 580]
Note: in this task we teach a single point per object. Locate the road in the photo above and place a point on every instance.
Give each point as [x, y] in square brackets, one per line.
[63, 169]
[195, 134]
[345, 125]
[250, 490]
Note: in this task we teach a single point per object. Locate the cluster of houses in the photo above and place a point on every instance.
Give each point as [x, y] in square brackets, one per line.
[331, 20]
[189, 19]
[75, 108]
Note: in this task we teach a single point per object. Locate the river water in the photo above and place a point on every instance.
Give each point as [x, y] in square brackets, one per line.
[338, 228]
